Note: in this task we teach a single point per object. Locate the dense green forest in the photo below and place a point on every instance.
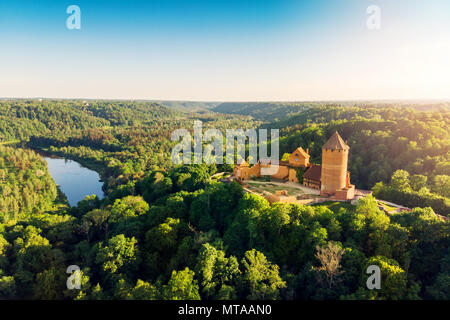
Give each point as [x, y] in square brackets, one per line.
[279, 111]
[175, 232]
[264, 111]
[188, 106]
[26, 185]
[20, 119]
[121, 140]
[382, 140]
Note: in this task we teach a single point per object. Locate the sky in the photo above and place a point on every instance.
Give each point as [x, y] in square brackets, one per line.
[246, 50]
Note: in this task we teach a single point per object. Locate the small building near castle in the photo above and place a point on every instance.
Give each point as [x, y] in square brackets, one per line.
[312, 177]
[299, 158]
[331, 178]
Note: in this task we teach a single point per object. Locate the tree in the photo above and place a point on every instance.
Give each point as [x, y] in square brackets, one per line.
[330, 260]
[244, 226]
[369, 225]
[4, 246]
[191, 177]
[176, 207]
[367, 206]
[32, 250]
[85, 291]
[260, 279]
[440, 289]
[165, 236]
[50, 284]
[393, 278]
[400, 180]
[218, 274]
[353, 261]
[89, 203]
[162, 243]
[99, 220]
[441, 185]
[144, 291]
[154, 186]
[129, 143]
[418, 181]
[128, 207]
[119, 255]
[278, 217]
[299, 174]
[181, 286]
[7, 287]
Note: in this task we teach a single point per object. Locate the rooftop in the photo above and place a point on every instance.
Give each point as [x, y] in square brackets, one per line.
[313, 173]
[300, 150]
[335, 143]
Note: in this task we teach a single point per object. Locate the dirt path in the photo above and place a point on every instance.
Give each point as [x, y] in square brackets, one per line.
[304, 189]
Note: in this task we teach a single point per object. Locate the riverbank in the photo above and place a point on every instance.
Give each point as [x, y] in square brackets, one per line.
[75, 180]
[99, 168]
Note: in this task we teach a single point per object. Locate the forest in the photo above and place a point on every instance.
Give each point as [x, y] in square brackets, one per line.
[382, 140]
[178, 233]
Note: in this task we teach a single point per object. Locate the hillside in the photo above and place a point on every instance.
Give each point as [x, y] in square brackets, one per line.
[264, 111]
[174, 232]
[382, 140]
[188, 106]
[288, 113]
[24, 118]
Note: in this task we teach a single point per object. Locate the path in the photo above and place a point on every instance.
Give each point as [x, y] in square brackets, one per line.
[304, 189]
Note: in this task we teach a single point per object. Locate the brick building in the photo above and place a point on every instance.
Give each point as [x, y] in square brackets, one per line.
[331, 178]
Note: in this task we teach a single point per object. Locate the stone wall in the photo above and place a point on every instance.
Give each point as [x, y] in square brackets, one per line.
[282, 174]
[293, 175]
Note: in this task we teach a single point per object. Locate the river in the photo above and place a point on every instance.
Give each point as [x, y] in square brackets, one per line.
[74, 180]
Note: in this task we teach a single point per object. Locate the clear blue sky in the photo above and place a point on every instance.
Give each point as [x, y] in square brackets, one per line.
[226, 50]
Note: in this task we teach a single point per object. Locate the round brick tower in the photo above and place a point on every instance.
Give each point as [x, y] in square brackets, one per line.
[334, 165]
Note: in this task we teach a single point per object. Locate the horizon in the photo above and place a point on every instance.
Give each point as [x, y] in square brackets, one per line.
[416, 101]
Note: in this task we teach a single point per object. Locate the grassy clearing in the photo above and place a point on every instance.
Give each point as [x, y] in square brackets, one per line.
[272, 188]
[387, 207]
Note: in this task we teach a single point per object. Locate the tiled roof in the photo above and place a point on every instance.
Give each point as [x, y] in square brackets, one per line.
[313, 173]
[243, 163]
[335, 143]
[301, 151]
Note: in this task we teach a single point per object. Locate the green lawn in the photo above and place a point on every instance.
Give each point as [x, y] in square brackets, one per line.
[272, 188]
[387, 207]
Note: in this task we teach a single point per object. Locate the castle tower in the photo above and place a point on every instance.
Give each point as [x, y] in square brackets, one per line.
[334, 174]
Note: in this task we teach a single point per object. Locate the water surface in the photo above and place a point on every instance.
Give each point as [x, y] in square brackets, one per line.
[74, 180]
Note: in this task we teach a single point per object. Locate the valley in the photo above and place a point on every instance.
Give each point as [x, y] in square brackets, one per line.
[157, 230]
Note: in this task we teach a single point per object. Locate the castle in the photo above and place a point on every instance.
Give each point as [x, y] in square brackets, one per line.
[331, 178]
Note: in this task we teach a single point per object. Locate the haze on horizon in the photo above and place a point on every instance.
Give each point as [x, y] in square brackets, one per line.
[275, 50]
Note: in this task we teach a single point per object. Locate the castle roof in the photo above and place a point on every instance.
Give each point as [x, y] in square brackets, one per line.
[313, 173]
[301, 151]
[243, 163]
[335, 143]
